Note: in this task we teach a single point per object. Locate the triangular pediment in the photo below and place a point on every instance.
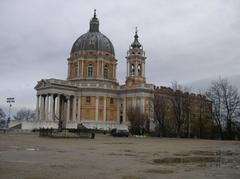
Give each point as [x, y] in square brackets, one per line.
[42, 84]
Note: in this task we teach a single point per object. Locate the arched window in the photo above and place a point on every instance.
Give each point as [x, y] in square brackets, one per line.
[132, 69]
[75, 69]
[90, 70]
[139, 69]
[105, 74]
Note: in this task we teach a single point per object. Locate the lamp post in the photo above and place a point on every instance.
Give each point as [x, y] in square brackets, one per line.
[10, 101]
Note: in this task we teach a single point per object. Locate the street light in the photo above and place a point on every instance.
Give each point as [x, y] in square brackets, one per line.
[10, 101]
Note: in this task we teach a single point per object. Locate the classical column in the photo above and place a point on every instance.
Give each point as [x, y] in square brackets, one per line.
[113, 71]
[82, 68]
[102, 69]
[97, 68]
[124, 109]
[96, 112]
[37, 108]
[74, 108]
[104, 108]
[134, 102]
[79, 109]
[46, 106]
[65, 111]
[52, 107]
[142, 104]
[118, 109]
[143, 69]
[69, 69]
[42, 108]
[127, 69]
[68, 109]
[78, 69]
[58, 113]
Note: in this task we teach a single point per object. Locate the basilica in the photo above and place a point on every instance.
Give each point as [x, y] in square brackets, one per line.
[91, 95]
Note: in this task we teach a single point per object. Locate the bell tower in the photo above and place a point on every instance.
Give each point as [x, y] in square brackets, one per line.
[135, 63]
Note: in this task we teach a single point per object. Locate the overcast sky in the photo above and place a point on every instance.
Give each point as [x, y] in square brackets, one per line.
[184, 40]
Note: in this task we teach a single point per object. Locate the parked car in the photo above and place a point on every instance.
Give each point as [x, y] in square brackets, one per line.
[119, 132]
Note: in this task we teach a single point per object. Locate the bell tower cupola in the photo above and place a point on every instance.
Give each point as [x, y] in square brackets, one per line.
[135, 63]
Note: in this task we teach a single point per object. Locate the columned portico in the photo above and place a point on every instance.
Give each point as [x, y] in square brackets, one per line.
[58, 106]
[68, 108]
[42, 108]
[46, 106]
[37, 108]
[124, 109]
[52, 107]
[96, 112]
[74, 108]
[118, 109]
[79, 109]
[104, 108]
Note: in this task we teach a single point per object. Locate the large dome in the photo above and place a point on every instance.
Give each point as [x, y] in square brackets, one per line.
[93, 40]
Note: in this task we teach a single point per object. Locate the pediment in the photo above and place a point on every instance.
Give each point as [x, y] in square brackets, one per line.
[42, 84]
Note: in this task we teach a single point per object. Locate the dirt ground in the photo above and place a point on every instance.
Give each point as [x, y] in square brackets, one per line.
[32, 157]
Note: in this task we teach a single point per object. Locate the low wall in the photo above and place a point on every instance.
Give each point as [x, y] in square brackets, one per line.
[30, 125]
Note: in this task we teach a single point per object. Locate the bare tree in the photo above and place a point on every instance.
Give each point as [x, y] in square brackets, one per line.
[231, 102]
[137, 119]
[186, 114]
[25, 114]
[177, 105]
[226, 101]
[160, 110]
[181, 107]
[2, 118]
[214, 94]
[2, 114]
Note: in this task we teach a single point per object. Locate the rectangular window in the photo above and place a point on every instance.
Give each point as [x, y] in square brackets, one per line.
[75, 70]
[90, 70]
[111, 100]
[88, 99]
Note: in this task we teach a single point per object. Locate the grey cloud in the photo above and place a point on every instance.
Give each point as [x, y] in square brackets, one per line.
[184, 40]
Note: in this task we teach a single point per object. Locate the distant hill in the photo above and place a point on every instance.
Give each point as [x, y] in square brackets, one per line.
[203, 84]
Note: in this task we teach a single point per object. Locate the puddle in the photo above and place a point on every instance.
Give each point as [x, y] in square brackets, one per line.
[118, 143]
[176, 160]
[214, 153]
[201, 158]
[122, 154]
[159, 171]
[127, 150]
[61, 151]
[32, 149]
[130, 177]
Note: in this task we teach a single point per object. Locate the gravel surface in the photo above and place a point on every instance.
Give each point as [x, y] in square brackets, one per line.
[32, 157]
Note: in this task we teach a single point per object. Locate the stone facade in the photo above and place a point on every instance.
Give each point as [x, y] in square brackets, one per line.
[91, 94]
[194, 110]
